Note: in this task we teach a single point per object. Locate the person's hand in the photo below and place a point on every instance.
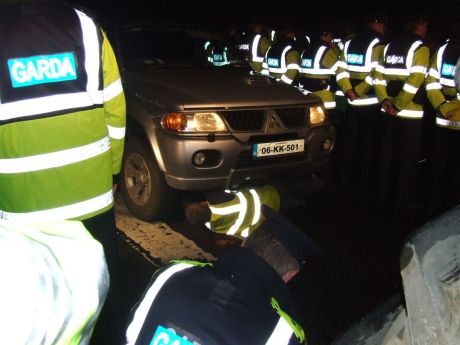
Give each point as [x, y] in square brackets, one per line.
[351, 95]
[393, 110]
[386, 105]
[389, 107]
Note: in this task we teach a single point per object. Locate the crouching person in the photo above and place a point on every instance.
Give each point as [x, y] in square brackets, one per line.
[235, 213]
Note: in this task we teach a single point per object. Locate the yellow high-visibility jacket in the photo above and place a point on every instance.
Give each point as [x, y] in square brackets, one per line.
[282, 61]
[440, 85]
[62, 114]
[241, 215]
[401, 73]
[356, 67]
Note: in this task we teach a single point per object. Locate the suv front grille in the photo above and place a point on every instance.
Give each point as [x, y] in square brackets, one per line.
[293, 117]
[245, 120]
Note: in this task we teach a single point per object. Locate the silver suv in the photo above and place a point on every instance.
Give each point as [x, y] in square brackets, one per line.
[198, 119]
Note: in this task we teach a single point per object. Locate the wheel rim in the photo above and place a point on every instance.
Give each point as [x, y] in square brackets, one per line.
[137, 178]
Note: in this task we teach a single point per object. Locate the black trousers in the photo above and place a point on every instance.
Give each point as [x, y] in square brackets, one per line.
[111, 325]
[337, 119]
[444, 172]
[400, 154]
[360, 151]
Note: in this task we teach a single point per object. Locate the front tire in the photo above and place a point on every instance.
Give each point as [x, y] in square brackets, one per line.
[143, 187]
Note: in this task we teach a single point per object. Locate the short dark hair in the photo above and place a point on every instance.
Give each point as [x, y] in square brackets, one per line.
[272, 251]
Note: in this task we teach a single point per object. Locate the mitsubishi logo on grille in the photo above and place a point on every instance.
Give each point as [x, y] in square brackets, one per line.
[275, 122]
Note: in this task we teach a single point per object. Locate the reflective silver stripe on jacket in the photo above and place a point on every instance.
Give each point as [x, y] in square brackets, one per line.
[256, 216]
[447, 82]
[92, 96]
[63, 212]
[36, 106]
[92, 52]
[447, 123]
[54, 159]
[433, 86]
[255, 49]
[281, 334]
[243, 208]
[116, 132]
[134, 328]
[410, 88]
[330, 105]
[364, 101]
[286, 79]
[342, 75]
[113, 90]
[412, 114]
[443, 81]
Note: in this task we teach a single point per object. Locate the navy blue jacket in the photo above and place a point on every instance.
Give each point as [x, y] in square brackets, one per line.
[227, 303]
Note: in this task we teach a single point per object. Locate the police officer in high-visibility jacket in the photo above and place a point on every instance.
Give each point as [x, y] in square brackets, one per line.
[399, 82]
[234, 213]
[317, 67]
[354, 75]
[216, 53]
[54, 282]
[253, 44]
[444, 188]
[241, 298]
[62, 119]
[317, 76]
[282, 60]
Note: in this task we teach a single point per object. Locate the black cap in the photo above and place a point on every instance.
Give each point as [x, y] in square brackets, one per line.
[291, 237]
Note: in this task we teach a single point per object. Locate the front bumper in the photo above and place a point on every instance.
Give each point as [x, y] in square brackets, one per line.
[236, 165]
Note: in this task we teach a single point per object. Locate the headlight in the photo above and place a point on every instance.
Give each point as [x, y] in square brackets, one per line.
[194, 123]
[317, 115]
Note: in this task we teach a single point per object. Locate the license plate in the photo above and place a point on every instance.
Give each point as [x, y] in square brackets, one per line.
[277, 148]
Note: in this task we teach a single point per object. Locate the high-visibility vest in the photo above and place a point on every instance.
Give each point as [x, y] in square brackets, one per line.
[253, 47]
[62, 114]
[216, 53]
[54, 283]
[282, 61]
[440, 85]
[356, 66]
[401, 74]
[242, 214]
[317, 67]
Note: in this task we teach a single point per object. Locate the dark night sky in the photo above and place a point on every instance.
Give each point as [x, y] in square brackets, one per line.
[214, 13]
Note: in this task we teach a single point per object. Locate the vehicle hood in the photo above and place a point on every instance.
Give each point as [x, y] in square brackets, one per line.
[191, 88]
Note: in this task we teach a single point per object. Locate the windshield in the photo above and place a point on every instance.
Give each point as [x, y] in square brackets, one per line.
[142, 46]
